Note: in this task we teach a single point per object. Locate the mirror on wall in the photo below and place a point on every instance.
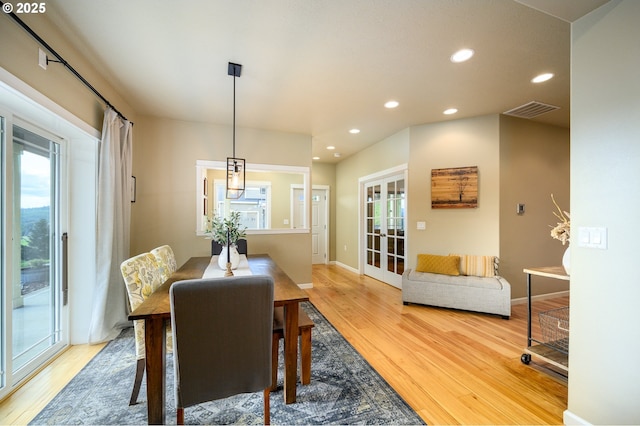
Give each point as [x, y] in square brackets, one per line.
[275, 199]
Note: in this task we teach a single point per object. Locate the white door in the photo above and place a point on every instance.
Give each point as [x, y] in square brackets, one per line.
[32, 261]
[319, 228]
[384, 229]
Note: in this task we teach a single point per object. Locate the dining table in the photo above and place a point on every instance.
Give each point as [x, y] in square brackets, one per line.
[156, 313]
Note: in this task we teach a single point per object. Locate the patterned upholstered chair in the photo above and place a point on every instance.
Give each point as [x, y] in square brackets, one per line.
[166, 261]
[222, 329]
[142, 276]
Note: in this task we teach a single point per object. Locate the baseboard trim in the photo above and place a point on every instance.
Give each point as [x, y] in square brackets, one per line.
[569, 418]
[347, 267]
[540, 297]
[305, 286]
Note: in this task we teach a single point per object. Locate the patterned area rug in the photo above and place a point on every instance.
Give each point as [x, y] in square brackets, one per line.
[344, 389]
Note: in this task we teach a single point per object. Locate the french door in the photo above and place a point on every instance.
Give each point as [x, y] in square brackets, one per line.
[384, 229]
[32, 293]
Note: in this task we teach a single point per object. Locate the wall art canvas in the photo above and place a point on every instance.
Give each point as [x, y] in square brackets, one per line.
[454, 188]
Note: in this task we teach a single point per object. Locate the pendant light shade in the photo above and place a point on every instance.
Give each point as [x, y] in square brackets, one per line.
[235, 166]
[235, 177]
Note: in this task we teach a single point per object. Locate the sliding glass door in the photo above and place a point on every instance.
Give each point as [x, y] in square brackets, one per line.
[32, 287]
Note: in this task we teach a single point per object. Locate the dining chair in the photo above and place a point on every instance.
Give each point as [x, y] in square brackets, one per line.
[305, 324]
[241, 246]
[222, 339]
[142, 276]
[166, 261]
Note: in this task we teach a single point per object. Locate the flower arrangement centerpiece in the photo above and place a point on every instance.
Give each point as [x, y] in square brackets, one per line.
[561, 231]
[227, 232]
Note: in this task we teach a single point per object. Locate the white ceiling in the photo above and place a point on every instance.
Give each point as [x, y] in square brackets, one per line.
[322, 67]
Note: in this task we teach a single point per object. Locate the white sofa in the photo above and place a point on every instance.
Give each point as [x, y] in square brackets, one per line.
[490, 295]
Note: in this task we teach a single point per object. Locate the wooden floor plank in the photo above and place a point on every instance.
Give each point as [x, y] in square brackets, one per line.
[21, 406]
[452, 367]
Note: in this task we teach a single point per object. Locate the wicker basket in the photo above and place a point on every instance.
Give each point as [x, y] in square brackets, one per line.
[555, 328]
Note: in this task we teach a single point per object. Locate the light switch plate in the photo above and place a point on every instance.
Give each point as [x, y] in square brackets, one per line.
[592, 237]
[421, 226]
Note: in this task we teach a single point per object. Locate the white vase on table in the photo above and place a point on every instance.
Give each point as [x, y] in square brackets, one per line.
[566, 260]
[234, 257]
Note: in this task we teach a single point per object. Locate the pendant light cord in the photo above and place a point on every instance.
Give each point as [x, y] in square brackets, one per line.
[234, 116]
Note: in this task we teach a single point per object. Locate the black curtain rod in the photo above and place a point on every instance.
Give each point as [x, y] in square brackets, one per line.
[62, 61]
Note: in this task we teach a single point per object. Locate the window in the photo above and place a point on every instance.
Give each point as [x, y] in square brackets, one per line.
[267, 205]
[253, 205]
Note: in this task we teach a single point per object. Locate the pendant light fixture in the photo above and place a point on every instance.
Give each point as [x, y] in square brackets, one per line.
[235, 166]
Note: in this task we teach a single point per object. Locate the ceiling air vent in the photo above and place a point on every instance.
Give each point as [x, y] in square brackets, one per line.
[531, 110]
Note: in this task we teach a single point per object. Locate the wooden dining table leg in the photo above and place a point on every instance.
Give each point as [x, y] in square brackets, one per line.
[155, 343]
[290, 351]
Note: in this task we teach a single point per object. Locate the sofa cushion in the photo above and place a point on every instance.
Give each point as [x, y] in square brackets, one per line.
[447, 265]
[492, 283]
[480, 266]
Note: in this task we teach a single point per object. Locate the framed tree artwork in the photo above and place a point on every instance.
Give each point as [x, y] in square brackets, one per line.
[454, 188]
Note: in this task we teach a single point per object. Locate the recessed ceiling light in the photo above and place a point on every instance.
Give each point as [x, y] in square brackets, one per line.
[336, 154]
[542, 77]
[354, 131]
[450, 111]
[462, 55]
[391, 104]
[331, 147]
[316, 158]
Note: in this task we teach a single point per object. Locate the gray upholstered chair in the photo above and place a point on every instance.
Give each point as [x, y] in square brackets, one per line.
[222, 331]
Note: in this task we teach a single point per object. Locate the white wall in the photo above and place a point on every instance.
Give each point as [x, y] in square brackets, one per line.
[604, 375]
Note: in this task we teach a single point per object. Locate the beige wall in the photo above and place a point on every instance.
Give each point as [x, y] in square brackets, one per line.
[325, 174]
[519, 161]
[386, 154]
[534, 163]
[164, 163]
[19, 56]
[458, 143]
[604, 377]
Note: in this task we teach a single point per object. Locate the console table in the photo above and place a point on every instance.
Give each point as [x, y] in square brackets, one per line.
[544, 350]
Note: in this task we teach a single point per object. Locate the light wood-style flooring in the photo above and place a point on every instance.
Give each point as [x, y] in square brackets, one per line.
[452, 367]
[24, 404]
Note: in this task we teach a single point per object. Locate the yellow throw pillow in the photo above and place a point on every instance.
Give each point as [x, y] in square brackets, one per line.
[447, 265]
[479, 266]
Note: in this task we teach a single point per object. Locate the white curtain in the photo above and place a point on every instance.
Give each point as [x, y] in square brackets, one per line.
[109, 312]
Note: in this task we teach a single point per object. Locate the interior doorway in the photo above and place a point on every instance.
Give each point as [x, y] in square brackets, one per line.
[319, 224]
[384, 224]
[319, 220]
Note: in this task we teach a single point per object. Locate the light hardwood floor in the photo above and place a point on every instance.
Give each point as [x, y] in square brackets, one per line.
[24, 404]
[452, 367]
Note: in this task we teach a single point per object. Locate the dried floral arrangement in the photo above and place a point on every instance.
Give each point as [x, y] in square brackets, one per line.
[561, 231]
